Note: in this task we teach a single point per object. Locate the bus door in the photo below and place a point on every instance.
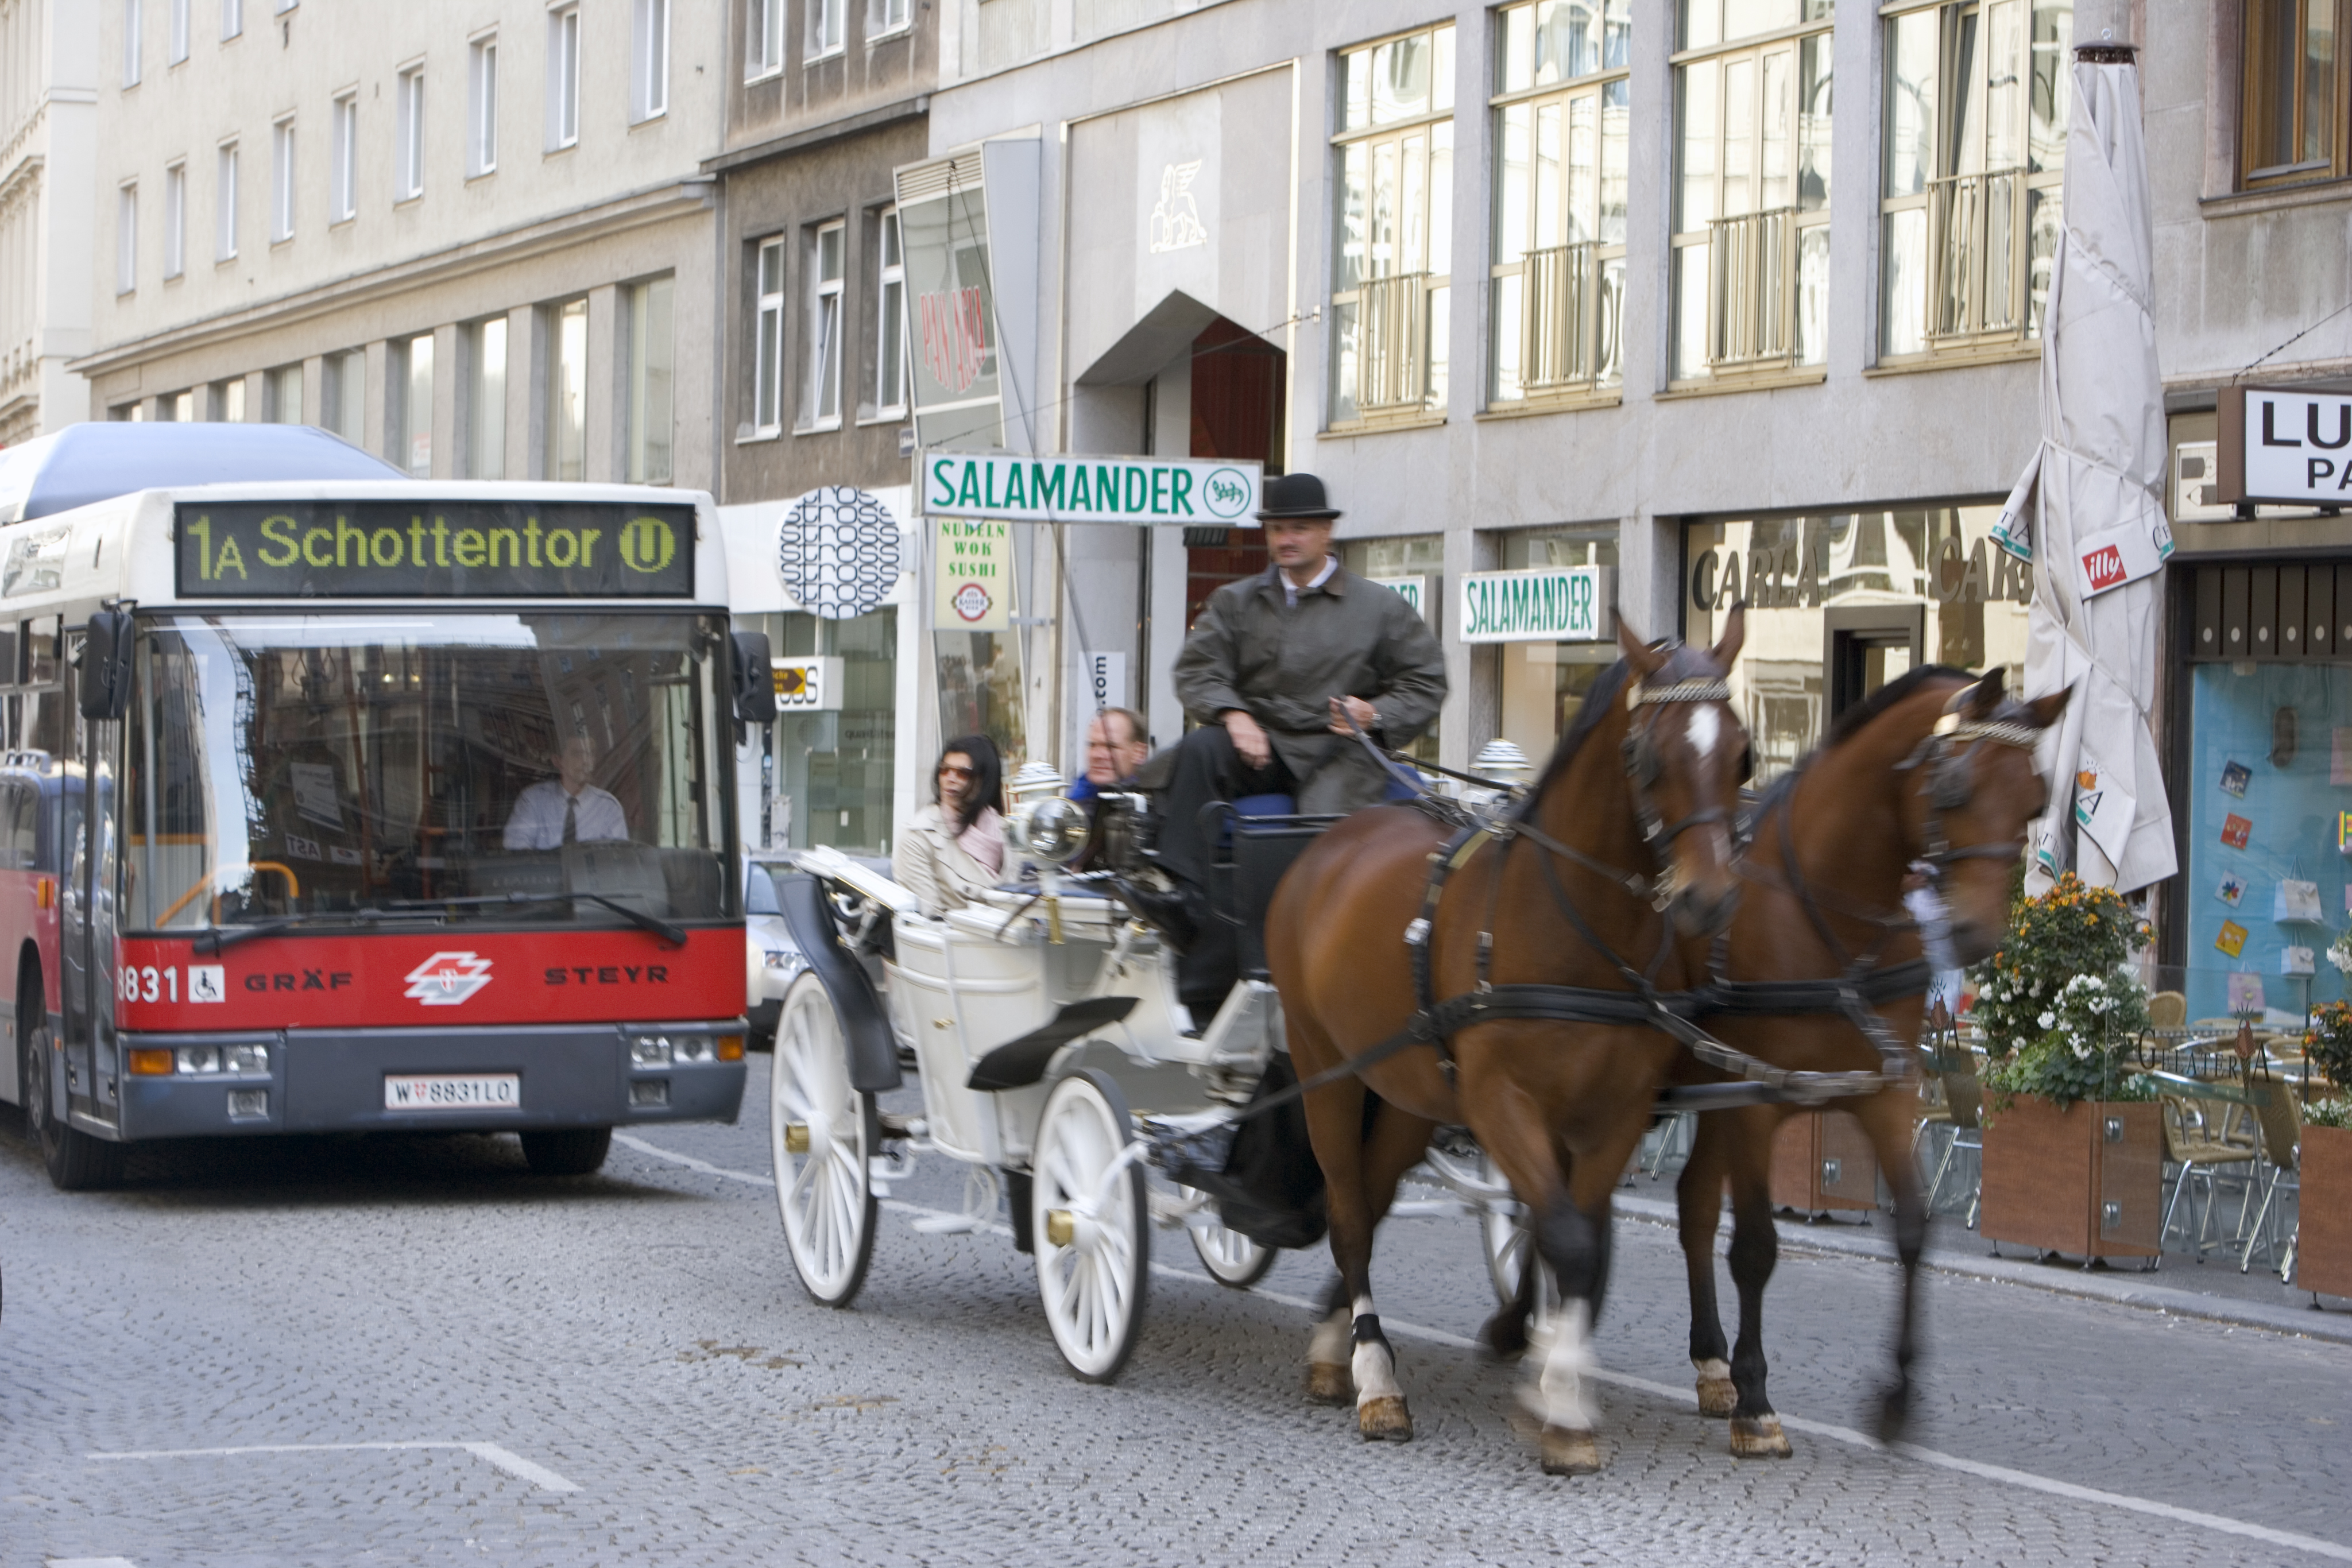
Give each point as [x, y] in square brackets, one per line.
[86, 956]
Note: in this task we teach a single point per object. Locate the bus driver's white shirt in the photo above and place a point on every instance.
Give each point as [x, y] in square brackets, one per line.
[538, 819]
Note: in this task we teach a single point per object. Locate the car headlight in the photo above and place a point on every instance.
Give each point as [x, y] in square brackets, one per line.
[783, 958]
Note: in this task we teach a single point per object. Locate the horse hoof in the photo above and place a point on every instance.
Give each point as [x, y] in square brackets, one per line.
[1328, 1383]
[1717, 1397]
[1384, 1420]
[1569, 1453]
[1758, 1438]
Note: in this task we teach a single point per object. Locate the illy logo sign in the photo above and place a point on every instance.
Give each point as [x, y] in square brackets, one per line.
[2105, 568]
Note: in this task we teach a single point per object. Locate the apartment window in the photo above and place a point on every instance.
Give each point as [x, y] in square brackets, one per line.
[763, 40]
[232, 20]
[408, 137]
[1396, 150]
[1751, 243]
[410, 442]
[768, 340]
[653, 365]
[175, 220]
[343, 402]
[283, 6]
[281, 181]
[888, 16]
[567, 390]
[825, 28]
[820, 399]
[228, 401]
[482, 107]
[179, 50]
[485, 398]
[649, 60]
[224, 204]
[1559, 273]
[126, 239]
[282, 395]
[132, 26]
[562, 78]
[345, 186]
[889, 318]
[2296, 92]
[1975, 152]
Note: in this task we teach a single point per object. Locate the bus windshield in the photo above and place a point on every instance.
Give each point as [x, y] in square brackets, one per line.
[515, 767]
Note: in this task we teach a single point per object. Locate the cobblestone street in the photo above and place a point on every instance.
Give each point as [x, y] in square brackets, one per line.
[413, 1351]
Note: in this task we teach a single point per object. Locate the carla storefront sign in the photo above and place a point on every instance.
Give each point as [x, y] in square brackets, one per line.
[1794, 574]
[2283, 446]
[1073, 489]
[1545, 604]
[454, 549]
[972, 575]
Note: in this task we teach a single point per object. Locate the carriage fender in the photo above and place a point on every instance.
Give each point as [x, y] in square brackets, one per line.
[864, 1026]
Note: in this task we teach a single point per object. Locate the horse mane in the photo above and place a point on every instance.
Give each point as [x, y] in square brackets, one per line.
[1597, 703]
[1854, 719]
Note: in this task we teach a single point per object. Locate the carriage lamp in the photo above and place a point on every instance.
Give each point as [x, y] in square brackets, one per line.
[1061, 1227]
[796, 1138]
[1052, 830]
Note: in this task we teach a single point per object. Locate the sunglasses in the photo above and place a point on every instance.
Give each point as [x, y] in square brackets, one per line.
[950, 771]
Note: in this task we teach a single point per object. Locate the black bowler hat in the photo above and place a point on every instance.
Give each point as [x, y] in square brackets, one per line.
[1298, 496]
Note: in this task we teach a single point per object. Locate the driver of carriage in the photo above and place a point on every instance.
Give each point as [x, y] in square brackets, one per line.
[1273, 671]
[567, 809]
[955, 849]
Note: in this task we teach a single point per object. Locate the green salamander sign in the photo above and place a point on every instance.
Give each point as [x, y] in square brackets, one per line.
[415, 549]
[1205, 492]
[1547, 604]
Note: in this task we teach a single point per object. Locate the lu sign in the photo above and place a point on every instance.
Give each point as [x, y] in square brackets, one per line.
[1074, 489]
[2287, 447]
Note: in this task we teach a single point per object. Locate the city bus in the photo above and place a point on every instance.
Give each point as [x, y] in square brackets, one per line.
[371, 806]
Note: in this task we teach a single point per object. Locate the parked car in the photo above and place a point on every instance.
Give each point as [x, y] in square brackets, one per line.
[771, 958]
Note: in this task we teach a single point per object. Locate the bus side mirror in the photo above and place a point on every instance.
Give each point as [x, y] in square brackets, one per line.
[105, 682]
[755, 679]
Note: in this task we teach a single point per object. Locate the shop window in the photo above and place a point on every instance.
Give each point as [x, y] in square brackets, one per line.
[485, 398]
[830, 776]
[410, 441]
[1415, 565]
[1395, 186]
[1561, 120]
[2296, 93]
[653, 359]
[1751, 241]
[346, 395]
[1975, 154]
[282, 395]
[1838, 606]
[226, 402]
[1540, 687]
[566, 386]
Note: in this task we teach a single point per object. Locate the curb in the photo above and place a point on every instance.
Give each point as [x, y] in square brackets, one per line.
[2335, 1327]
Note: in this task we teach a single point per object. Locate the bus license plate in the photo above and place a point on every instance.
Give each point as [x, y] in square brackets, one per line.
[453, 1091]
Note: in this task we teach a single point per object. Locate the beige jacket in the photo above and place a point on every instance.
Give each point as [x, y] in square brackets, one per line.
[931, 864]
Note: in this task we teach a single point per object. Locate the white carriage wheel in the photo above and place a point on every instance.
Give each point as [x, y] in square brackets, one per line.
[1231, 1258]
[822, 1134]
[1090, 1221]
[1509, 1246]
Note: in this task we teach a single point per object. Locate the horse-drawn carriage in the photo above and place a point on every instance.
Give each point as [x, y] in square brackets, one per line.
[1056, 1064]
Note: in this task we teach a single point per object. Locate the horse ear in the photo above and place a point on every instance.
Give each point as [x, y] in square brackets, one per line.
[1646, 660]
[1726, 652]
[2046, 710]
[1984, 699]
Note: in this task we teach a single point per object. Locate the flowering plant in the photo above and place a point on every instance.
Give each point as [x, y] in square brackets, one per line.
[2339, 953]
[2328, 1114]
[2059, 1010]
[2327, 1043]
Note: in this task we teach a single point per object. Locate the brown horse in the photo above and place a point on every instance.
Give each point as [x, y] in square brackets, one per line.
[1637, 802]
[1935, 768]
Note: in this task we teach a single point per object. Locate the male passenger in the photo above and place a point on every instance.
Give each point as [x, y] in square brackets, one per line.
[566, 809]
[1116, 747]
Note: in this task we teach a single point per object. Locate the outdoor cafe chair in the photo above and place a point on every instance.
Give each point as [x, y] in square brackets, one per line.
[1951, 1095]
[2280, 1120]
[2209, 1134]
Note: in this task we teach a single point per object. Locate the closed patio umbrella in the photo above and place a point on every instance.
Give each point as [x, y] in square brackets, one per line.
[2089, 512]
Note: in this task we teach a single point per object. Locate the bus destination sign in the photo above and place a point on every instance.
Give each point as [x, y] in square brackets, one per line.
[437, 550]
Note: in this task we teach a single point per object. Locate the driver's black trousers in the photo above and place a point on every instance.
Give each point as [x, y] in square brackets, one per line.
[1207, 769]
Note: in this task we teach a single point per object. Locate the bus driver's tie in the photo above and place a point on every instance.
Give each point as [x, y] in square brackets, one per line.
[571, 819]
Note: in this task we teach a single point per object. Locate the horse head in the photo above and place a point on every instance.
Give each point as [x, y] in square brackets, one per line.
[1687, 754]
[1977, 789]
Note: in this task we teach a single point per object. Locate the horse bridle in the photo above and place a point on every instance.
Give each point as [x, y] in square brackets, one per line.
[1644, 767]
[1947, 755]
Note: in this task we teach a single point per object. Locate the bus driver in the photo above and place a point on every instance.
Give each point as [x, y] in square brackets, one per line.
[567, 809]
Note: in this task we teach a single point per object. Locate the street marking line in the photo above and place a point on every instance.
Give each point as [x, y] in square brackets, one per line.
[1846, 1435]
[491, 1454]
[89, 1562]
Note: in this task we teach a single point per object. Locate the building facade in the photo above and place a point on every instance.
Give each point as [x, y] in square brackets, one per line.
[48, 125]
[473, 240]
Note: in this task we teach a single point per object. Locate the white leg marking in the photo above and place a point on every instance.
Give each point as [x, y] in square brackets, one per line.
[1703, 729]
[1713, 1368]
[1564, 1359]
[1328, 1346]
[1373, 1366]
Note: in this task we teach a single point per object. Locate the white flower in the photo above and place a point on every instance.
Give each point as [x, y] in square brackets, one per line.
[2048, 1020]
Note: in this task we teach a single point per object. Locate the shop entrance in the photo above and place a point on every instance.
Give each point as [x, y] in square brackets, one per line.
[1238, 385]
[1866, 646]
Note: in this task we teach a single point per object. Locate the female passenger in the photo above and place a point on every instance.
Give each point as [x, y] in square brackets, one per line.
[955, 849]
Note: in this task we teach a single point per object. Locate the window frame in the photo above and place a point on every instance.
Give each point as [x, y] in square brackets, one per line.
[482, 106]
[175, 219]
[1789, 43]
[2258, 97]
[767, 338]
[486, 407]
[763, 39]
[889, 312]
[281, 180]
[826, 301]
[649, 61]
[226, 178]
[126, 238]
[1423, 304]
[176, 43]
[880, 24]
[408, 135]
[232, 20]
[553, 316]
[640, 413]
[343, 150]
[342, 394]
[562, 79]
[401, 358]
[134, 28]
[818, 47]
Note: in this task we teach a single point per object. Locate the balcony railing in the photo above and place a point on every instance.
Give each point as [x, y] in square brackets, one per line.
[1561, 326]
[1976, 229]
[1751, 288]
[1392, 366]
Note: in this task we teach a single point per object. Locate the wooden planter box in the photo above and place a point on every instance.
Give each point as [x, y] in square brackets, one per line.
[1823, 1160]
[2086, 1181]
[2324, 1243]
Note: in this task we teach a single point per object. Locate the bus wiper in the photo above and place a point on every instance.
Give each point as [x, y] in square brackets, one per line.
[670, 931]
[215, 938]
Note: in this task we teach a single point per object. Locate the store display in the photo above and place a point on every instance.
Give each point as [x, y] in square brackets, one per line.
[2246, 994]
[2339, 759]
[2296, 961]
[2236, 776]
[2236, 830]
[2294, 900]
[2232, 939]
[2233, 888]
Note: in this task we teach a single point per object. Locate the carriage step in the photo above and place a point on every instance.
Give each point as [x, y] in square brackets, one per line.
[894, 1125]
[948, 1224]
[1430, 1209]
